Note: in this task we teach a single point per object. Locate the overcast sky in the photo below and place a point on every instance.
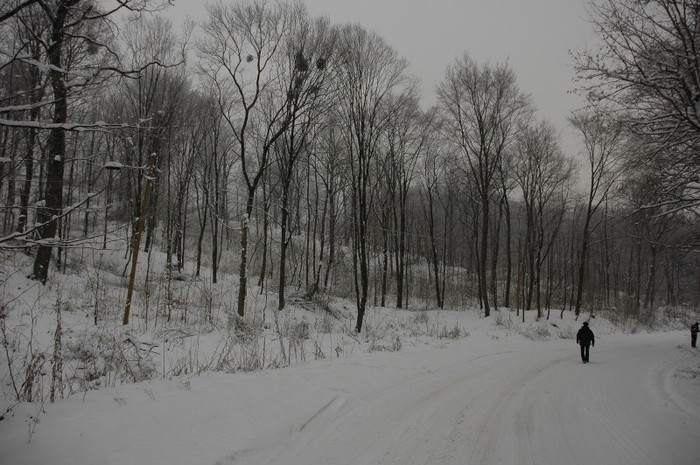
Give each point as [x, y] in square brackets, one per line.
[534, 36]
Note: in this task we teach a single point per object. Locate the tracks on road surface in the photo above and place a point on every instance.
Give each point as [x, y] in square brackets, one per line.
[534, 403]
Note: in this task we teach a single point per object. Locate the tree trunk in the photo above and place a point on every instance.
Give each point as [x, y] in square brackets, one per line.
[137, 240]
[582, 263]
[509, 256]
[650, 294]
[50, 210]
[332, 215]
[265, 238]
[360, 226]
[401, 255]
[385, 264]
[322, 235]
[242, 273]
[433, 250]
[25, 191]
[483, 254]
[493, 287]
[203, 217]
[284, 241]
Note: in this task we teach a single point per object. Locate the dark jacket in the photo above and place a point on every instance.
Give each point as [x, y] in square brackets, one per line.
[585, 336]
[694, 328]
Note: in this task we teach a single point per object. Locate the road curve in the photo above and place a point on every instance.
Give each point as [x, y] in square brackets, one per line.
[527, 404]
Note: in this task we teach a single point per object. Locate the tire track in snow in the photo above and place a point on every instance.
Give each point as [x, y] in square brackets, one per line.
[537, 405]
[394, 424]
[505, 423]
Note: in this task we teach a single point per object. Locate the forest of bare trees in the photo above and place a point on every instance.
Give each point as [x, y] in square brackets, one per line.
[297, 154]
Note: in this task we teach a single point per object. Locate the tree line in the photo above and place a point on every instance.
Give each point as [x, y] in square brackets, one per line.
[297, 153]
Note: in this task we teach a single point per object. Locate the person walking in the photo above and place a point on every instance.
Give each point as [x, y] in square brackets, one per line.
[694, 334]
[586, 339]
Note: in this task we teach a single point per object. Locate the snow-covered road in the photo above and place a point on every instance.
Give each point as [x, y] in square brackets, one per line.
[487, 399]
[528, 404]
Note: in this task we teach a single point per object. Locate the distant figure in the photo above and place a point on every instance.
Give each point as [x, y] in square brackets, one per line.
[694, 334]
[585, 339]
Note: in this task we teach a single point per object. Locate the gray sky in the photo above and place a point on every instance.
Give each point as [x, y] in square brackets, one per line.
[534, 36]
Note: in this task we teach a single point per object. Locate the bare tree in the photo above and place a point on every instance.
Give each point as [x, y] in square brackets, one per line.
[211, 177]
[330, 163]
[543, 174]
[152, 96]
[308, 86]
[647, 69]
[75, 54]
[370, 72]
[241, 55]
[23, 88]
[406, 138]
[603, 139]
[437, 208]
[483, 106]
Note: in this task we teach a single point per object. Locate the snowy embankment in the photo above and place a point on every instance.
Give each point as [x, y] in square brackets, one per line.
[489, 398]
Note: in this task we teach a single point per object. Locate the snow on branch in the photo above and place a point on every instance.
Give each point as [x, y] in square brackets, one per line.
[10, 13]
[26, 236]
[99, 125]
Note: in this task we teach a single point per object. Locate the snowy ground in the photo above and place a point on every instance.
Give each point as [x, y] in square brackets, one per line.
[492, 397]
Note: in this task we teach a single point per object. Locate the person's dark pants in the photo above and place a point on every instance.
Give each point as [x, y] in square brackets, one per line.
[585, 351]
[694, 339]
